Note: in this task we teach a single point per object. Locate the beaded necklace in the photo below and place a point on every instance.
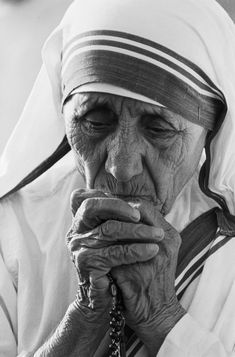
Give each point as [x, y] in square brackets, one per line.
[117, 347]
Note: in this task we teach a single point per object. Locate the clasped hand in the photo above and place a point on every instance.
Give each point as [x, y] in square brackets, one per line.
[135, 243]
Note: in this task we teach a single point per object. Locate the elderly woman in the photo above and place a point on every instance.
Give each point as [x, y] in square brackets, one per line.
[144, 88]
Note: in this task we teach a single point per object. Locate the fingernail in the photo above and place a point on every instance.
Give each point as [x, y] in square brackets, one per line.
[159, 232]
[136, 215]
[153, 248]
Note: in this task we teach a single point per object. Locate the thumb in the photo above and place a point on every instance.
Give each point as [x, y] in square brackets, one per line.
[80, 195]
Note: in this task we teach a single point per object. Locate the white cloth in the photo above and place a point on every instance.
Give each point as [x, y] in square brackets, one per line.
[201, 23]
[38, 280]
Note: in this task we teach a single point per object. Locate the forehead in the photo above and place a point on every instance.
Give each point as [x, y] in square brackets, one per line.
[81, 101]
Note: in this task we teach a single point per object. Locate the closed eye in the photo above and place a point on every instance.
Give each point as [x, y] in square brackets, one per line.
[155, 126]
[98, 120]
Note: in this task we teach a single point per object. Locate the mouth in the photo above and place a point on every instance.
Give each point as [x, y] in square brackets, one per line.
[129, 198]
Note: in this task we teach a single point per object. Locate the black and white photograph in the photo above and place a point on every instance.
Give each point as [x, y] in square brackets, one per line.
[117, 178]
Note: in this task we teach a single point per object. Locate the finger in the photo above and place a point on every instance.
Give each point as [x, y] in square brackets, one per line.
[94, 211]
[95, 264]
[99, 282]
[116, 232]
[88, 260]
[78, 196]
[149, 214]
[97, 239]
[130, 254]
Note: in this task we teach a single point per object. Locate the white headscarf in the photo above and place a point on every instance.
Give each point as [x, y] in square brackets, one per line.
[199, 31]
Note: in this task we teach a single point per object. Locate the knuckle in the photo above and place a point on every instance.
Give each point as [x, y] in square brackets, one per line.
[85, 211]
[77, 194]
[82, 254]
[126, 250]
[75, 224]
[123, 228]
[130, 252]
[87, 205]
[74, 244]
[106, 228]
[113, 254]
[82, 258]
[76, 200]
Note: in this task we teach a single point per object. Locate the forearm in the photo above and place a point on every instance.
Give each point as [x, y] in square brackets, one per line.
[75, 336]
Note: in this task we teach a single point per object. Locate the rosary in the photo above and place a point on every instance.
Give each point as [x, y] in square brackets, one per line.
[117, 347]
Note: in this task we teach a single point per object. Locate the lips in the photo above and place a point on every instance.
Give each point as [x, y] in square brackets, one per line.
[135, 198]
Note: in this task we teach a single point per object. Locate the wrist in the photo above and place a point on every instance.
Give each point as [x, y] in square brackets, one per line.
[87, 317]
[78, 334]
[154, 332]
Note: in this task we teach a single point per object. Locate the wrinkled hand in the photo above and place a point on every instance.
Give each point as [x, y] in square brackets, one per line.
[108, 234]
[152, 308]
[103, 236]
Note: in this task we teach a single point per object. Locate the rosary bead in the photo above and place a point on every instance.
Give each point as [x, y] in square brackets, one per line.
[114, 335]
[112, 323]
[114, 341]
[116, 314]
[112, 347]
[117, 322]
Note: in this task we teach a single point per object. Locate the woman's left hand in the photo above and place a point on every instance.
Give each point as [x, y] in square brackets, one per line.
[148, 288]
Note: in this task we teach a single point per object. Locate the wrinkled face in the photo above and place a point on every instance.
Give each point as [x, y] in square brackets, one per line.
[132, 149]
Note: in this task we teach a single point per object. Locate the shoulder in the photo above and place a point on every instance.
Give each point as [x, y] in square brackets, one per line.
[35, 220]
[24, 213]
[55, 184]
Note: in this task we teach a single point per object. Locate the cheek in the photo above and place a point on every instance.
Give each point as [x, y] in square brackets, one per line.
[171, 167]
[78, 141]
[164, 159]
[89, 154]
[188, 161]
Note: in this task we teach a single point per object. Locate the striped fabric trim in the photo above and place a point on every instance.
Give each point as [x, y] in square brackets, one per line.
[122, 40]
[135, 63]
[60, 152]
[191, 272]
[196, 264]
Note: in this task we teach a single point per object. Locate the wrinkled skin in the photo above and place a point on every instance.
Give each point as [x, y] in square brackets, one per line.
[135, 158]
[132, 149]
[143, 271]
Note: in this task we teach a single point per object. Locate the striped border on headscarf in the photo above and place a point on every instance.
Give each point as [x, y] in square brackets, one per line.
[144, 67]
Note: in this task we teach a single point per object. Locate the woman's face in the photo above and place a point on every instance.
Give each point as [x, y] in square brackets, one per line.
[131, 149]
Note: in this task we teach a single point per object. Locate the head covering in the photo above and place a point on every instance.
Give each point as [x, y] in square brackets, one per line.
[179, 53]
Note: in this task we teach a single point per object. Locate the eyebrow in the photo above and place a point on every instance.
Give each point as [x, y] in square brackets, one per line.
[87, 100]
[83, 102]
[171, 118]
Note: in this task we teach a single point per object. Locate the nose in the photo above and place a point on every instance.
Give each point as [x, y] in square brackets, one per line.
[124, 159]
